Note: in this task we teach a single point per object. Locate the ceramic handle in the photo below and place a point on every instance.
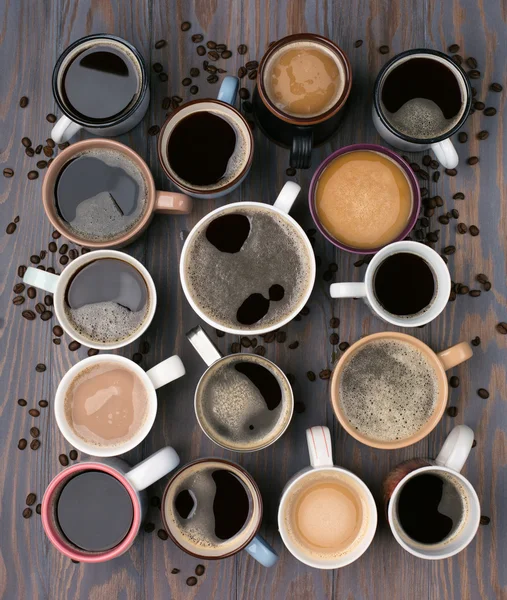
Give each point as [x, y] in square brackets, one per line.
[301, 149]
[456, 448]
[228, 90]
[287, 196]
[263, 553]
[41, 279]
[64, 130]
[153, 468]
[455, 355]
[204, 346]
[172, 203]
[446, 154]
[319, 446]
[168, 370]
[348, 290]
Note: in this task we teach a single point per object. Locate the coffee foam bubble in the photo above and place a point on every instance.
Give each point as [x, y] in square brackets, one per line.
[421, 118]
[219, 282]
[106, 322]
[388, 390]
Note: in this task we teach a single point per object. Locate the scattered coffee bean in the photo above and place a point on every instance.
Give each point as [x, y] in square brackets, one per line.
[64, 461]
[149, 527]
[51, 118]
[194, 90]
[290, 172]
[459, 196]
[454, 381]
[359, 263]
[137, 358]
[226, 54]
[476, 341]
[163, 77]
[245, 342]
[29, 152]
[474, 443]
[48, 151]
[38, 150]
[30, 499]
[451, 172]
[260, 350]
[444, 219]
[311, 375]
[213, 55]
[201, 50]
[474, 230]
[35, 444]
[64, 260]
[73, 346]
[484, 520]
[453, 48]
[487, 286]
[154, 130]
[452, 411]
[484, 394]
[383, 49]
[32, 175]
[39, 308]
[42, 164]
[162, 534]
[281, 336]
[462, 228]
[175, 571]
[166, 103]
[463, 289]
[23, 102]
[472, 62]
[194, 72]
[185, 26]
[73, 454]
[157, 67]
[27, 513]
[242, 72]
[92, 352]
[58, 331]
[473, 160]
[43, 403]
[18, 300]
[212, 79]
[490, 111]
[242, 49]
[250, 66]
[22, 444]
[478, 105]
[29, 315]
[33, 412]
[211, 45]
[244, 94]
[50, 143]
[475, 293]
[191, 581]
[235, 347]
[344, 346]
[496, 87]
[199, 570]
[455, 213]
[56, 234]
[46, 315]
[426, 159]
[432, 237]
[73, 253]
[8, 172]
[482, 135]
[269, 337]
[358, 43]
[252, 75]
[474, 74]
[22, 402]
[502, 328]
[293, 345]
[325, 374]
[27, 142]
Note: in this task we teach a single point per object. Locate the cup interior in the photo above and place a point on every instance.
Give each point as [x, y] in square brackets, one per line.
[50, 520]
[459, 537]
[89, 447]
[439, 405]
[240, 161]
[195, 533]
[223, 408]
[295, 521]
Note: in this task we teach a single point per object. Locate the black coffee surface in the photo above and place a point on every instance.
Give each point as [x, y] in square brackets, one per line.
[228, 233]
[200, 147]
[422, 78]
[94, 511]
[100, 194]
[264, 381]
[100, 83]
[429, 508]
[184, 503]
[231, 505]
[404, 284]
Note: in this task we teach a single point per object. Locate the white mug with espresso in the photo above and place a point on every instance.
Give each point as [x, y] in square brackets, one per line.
[243, 402]
[104, 299]
[406, 284]
[434, 511]
[327, 516]
[106, 405]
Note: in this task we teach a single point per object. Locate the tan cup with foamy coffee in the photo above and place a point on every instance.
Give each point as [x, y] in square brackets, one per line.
[389, 390]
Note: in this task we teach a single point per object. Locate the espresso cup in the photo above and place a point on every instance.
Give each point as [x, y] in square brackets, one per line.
[243, 402]
[327, 516]
[212, 509]
[185, 153]
[59, 286]
[303, 84]
[427, 285]
[434, 511]
[430, 99]
[150, 200]
[132, 483]
[389, 390]
[363, 197]
[119, 81]
[258, 270]
[104, 399]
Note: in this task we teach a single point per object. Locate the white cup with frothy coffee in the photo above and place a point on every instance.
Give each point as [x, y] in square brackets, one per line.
[106, 404]
[327, 516]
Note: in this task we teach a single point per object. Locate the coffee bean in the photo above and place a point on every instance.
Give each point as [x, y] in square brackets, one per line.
[194, 90]
[293, 345]
[476, 341]
[38, 509]
[162, 534]
[462, 228]
[463, 289]
[290, 172]
[185, 26]
[30, 499]
[260, 350]
[426, 159]
[137, 358]
[199, 570]
[484, 394]
[475, 293]
[247, 106]
[23, 102]
[27, 142]
[472, 62]
[191, 581]
[478, 105]
[235, 347]
[474, 74]
[29, 315]
[213, 55]
[452, 411]
[281, 336]
[453, 48]
[63, 145]
[73, 253]
[50, 143]
[310, 375]
[473, 160]
[157, 67]
[18, 300]
[32, 175]
[432, 237]
[48, 151]
[252, 75]
[22, 402]
[244, 94]
[35, 444]
[439, 201]
[455, 213]
[73, 346]
[242, 49]
[43, 403]
[57, 330]
[33, 412]
[358, 43]
[149, 527]
[474, 230]
[344, 346]
[245, 342]
[42, 164]
[212, 79]
[166, 103]
[251, 65]
[490, 111]
[163, 77]
[8, 172]
[22, 444]
[55, 235]
[443, 219]
[64, 461]
[226, 54]
[51, 118]
[27, 513]
[451, 172]
[154, 130]
[459, 196]
[39, 308]
[64, 260]
[29, 152]
[269, 337]
[502, 328]
[496, 87]
[454, 381]
[201, 50]
[334, 339]
[46, 315]
[34, 432]
[383, 49]
[242, 72]
[175, 571]
[487, 286]
[325, 374]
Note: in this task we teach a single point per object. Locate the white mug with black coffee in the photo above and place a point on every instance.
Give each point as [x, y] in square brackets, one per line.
[434, 511]
[420, 99]
[406, 284]
[101, 85]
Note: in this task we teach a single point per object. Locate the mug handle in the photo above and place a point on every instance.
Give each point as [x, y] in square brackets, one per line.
[166, 371]
[287, 196]
[64, 130]
[348, 290]
[228, 90]
[263, 553]
[204, 346]
[455, 355]
[41, 279]
[446, 154]
[153, 468]
[172, 203]
[456, 448]
[320, 447]
[301, 149]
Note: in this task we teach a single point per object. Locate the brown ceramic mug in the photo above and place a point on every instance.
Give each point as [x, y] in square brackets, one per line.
[388, 366]
[155, 201]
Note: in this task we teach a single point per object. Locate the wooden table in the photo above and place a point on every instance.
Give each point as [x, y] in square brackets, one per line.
[33, 34]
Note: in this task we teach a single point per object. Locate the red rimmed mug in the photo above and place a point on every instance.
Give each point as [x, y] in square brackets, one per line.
[135, 480]
[404, 167]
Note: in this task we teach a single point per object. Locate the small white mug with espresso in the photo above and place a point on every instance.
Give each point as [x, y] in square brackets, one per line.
[327, 516]
[106, 405]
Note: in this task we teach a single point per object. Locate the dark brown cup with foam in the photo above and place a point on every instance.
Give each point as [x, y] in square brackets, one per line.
[95, 225]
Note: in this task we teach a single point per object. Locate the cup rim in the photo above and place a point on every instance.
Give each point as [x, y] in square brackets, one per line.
[187, 188]
[416, 194]
[432, 421]
[275, 46]
[56, 538]
[78, 442]
[459, 72]
[191, 235]
[245, 473]
[81, 261]
[121, 118]
[475, 514]
[369, 533]
[290, 399]
[48, 186]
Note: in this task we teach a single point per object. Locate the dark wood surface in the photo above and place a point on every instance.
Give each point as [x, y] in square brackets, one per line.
[32, 35]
